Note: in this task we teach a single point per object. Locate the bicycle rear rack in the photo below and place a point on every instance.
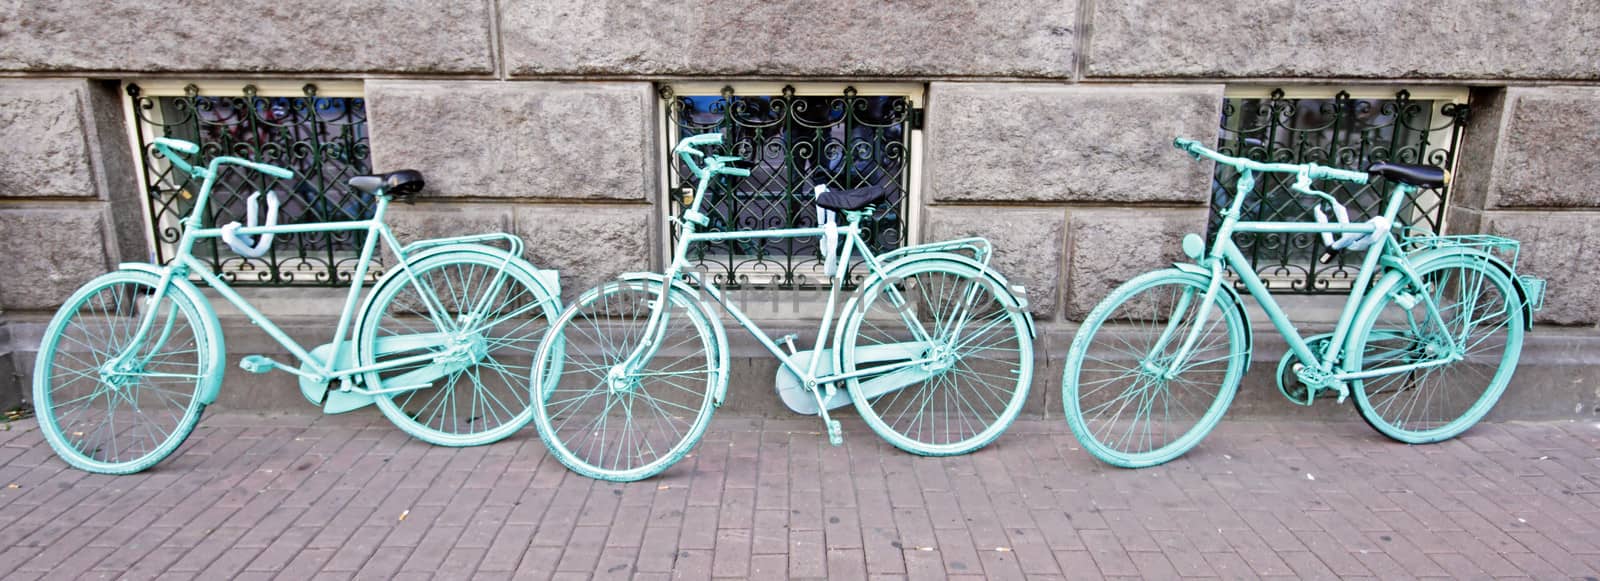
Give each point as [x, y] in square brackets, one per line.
[1507, 249]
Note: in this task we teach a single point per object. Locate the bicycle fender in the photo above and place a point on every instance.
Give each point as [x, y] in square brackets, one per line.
[711, 315]
[982, 266]
[850, 305]
[1238, 303]
[208, 317]
[1426, 256]
[549, 280]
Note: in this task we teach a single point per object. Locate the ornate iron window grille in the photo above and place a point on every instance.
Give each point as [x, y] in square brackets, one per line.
[844, 140]
[323, 139]
[1342, 132]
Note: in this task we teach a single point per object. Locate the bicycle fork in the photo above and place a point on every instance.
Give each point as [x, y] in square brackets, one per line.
[117, 371]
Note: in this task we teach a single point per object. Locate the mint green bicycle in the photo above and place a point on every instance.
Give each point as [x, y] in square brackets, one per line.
[1427, 341]
[443, 344]
[935, 349]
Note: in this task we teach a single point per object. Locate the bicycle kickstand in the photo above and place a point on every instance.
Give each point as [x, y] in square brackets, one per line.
[835, 432]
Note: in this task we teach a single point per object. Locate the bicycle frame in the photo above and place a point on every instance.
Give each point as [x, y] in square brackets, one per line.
[1224, 253]
[853, 241]
[809, 373]
[184, 263]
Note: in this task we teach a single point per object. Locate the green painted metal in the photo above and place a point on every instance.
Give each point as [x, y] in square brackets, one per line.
[1341, 131]
[1429, 336]
[644, 363]
[323, 139]
[450, 321]
[795, 142]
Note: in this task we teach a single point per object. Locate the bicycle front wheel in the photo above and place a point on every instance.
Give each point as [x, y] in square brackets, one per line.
[114, 401]
[1479, 333]
[481, 319]
[957, 355]
[1128, 398]
[605, 420]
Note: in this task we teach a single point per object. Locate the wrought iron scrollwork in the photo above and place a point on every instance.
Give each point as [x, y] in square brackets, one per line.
[1342, 132]
[322, 139]
[796, 142]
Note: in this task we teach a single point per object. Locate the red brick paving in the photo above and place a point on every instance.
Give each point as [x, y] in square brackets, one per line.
[298, 497]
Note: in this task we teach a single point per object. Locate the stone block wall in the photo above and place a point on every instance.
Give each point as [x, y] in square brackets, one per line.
[569, 167]
[1533, 177]
[1034, 165]
[1048, 123]
[63, 217]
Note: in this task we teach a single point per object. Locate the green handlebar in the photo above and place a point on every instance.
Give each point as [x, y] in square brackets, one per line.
[714, 164]
[1332, 173]
[168, 146]
[686, 150]
[270, 170]
[177, 145]
[1315, 171]
[702, 139]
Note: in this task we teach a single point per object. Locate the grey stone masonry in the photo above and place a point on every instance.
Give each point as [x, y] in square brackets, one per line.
[42, 125]
[1061, 143]
[1447, 39]
[67, 155]
[49, 252]
[1545, 152]
[588, 244]
[518, 139]
[926, 38]
[10, 381]
[1527, 172]
[296, 36]
[1106, 247]
[1560, 247]
[424, 220]
[1027, 242]
[1469, 188]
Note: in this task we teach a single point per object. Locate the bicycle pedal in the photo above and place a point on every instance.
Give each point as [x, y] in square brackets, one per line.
[788, 340]
[257, 364]
[835, 433]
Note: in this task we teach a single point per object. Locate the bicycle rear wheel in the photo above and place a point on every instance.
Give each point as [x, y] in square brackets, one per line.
[1123, 400]
[606, 422]
[977, 348]
[1483, 323]
[482, 319]
[109, 401]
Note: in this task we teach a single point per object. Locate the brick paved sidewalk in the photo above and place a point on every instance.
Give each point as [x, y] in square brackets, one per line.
[296, 497]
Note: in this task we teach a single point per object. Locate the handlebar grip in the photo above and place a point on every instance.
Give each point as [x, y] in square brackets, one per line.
[177, 145]
[714, 138]
[687, 152]
[1185, 144]
[1343, 175]
[270, 170]
[733, 171]
[166, 147]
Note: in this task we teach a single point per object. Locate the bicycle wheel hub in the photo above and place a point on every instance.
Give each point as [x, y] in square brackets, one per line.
[1440, 347]
[940, 358]
[118, 376]
[618, 380]
[464, 350]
